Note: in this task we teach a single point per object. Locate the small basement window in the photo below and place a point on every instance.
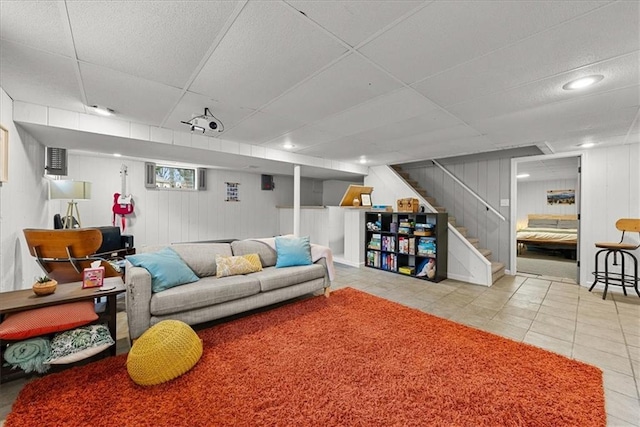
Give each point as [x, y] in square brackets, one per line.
[168, 177]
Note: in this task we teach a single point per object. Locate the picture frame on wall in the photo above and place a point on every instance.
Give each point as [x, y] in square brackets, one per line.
[4, 154]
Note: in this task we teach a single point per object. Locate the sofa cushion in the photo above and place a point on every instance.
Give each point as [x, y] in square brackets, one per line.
[275, 278]
[201, 257]
[292, 251]
[166, 268]
[266, 253]
[234, 265]
[207, 291]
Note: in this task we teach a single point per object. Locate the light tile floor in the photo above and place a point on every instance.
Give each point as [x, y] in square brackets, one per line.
[547, 312]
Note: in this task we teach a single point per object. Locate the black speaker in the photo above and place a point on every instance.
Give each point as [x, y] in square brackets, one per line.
[127, 241]
[267, 182]
[110, 239]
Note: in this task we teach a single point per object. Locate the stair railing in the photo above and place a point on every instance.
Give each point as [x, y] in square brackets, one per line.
[469, 190]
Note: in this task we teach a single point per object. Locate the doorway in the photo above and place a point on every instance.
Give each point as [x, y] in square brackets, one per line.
[545, 213]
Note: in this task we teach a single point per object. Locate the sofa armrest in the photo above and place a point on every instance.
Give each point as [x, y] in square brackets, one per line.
[138, 284]
[323, 262]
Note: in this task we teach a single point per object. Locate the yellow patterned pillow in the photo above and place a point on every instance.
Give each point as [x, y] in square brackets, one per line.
[232, 265]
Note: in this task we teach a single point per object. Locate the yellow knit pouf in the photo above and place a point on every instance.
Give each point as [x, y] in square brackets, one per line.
[163, 352]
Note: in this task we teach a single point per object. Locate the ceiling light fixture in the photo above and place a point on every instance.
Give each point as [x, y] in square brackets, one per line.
[117, 155]
[522, 175]
[587, 145]
[583, 82]
[288, 145]
[363, 160]
[103, 111]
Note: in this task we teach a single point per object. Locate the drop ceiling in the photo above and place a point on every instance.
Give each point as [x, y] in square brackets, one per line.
[387, 81]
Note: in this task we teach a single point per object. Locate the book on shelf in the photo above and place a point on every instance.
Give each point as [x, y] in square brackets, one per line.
[406, 269]
[426, 246]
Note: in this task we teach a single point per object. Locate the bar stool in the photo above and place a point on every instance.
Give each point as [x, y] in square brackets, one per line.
[621, 249]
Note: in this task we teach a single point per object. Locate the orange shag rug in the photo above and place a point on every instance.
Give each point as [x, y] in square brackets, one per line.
[351, 359]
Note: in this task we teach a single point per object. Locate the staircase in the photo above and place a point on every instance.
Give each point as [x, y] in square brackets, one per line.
[497, 268]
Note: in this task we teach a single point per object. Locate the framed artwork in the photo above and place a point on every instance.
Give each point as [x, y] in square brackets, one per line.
[561, 197]
[232, 192]
[4, 154]
[366, 199]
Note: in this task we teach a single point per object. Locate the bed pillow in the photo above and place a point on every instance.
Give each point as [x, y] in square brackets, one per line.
[46, 320]
[568, 224]
[291, 251]
[166, 267]
[543, 223]
[234, 265]
[77, 344]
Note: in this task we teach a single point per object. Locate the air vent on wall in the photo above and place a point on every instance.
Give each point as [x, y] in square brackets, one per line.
[56, 161]
[150, 175]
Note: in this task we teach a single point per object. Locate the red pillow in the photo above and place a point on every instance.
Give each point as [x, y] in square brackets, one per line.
[46, 320]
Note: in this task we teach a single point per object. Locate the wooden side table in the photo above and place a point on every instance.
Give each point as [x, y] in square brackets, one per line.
[22, 300]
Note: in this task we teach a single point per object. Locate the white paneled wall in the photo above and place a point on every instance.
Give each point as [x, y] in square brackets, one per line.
[489, 178]
[532, 198]
[168, 216]
[23, 203]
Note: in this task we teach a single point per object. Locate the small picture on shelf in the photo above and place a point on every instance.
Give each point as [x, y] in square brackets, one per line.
[366, 199]
[427, 268]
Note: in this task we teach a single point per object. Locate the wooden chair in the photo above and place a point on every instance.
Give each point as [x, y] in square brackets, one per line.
[64, 254]
[621, 248]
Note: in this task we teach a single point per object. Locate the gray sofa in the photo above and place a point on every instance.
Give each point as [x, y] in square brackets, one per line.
[210, 297]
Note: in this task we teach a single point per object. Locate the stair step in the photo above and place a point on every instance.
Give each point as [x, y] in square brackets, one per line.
[452, 220]
[440, 209]
[473, 241]
[397, 168]
[411, 182]
[462, 230]
[486, 253]
[404, 175]
[430, 200]
[497, 271]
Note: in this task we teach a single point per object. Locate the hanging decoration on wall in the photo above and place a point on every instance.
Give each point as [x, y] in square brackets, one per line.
[122, 202]
[232, 192]
[561, 197]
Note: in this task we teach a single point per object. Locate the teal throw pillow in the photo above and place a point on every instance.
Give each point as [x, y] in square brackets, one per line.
[166, 267]
[292, 251]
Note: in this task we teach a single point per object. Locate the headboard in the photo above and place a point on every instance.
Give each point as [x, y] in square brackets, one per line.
[552, 221]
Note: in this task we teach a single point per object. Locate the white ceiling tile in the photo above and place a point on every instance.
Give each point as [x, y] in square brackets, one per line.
[193, 104]
[349, 82]
[37, 24]
[444, 136]
[448, 33]
[148, 102]
[431, 121]
[259, 128]
[269, 49]
[303, 137]
[541, 56]
[163, 41]
[622, 72]
[347, 149]
[546, 125]
[385, 110]
[353, 22]
[51, 78]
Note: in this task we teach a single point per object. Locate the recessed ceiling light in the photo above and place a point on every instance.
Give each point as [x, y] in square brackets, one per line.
[288, 145]
[522, 175]
[363, 160]
[587, 145]
[583, 82]
[103, 111]
[117, 155]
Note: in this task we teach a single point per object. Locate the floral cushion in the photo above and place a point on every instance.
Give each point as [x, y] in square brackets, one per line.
[76, 344]
[233, 265]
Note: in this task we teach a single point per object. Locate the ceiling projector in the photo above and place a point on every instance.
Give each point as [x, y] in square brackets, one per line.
[205, 123]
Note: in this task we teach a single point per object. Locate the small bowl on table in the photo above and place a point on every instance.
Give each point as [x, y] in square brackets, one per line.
[45, 288]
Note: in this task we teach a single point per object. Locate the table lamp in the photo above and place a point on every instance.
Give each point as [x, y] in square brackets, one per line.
[70, 190]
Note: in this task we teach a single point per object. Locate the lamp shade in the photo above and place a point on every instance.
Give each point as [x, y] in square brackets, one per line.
[68, 189]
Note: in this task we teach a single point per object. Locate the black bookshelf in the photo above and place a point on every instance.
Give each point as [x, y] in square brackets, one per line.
[413, 244]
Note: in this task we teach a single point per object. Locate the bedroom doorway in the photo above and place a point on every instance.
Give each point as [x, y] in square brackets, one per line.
[545, 214]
